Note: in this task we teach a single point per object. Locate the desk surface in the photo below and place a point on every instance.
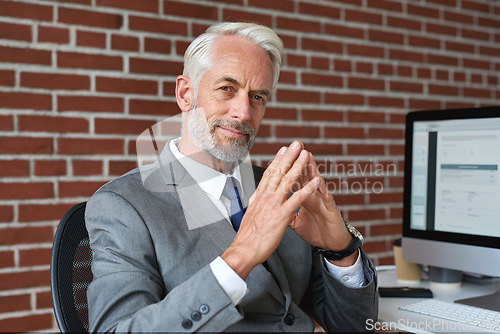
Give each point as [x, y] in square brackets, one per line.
[396, 319]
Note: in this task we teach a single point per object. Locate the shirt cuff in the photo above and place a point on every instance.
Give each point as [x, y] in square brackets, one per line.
[232, 284]
[352, 276]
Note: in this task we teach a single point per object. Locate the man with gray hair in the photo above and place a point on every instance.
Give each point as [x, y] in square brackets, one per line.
[195, 247]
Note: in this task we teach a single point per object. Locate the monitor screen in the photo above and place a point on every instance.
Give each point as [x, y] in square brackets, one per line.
[452, 189]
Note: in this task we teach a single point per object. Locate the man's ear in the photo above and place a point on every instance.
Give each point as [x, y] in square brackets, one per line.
[184, 92]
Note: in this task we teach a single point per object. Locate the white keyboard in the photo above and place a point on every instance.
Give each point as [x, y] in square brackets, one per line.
[465, 314]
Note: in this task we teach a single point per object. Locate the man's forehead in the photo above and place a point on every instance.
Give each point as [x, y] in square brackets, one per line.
[233, 45]
[230, 40]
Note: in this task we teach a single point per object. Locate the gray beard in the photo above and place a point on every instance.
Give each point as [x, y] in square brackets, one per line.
[203, 135]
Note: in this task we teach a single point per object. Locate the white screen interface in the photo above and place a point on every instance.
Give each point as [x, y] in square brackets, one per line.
[455, 176]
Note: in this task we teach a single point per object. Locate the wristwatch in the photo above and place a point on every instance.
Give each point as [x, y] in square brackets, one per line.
[350, 249]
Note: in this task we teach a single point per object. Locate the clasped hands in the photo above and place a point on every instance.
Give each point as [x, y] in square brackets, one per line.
[271, 209]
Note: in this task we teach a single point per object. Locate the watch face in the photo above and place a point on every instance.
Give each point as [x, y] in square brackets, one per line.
[354, 231]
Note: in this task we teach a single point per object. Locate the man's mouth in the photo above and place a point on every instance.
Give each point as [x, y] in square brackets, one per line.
[233, 133]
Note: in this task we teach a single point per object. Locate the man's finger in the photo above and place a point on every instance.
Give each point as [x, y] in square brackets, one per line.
[308, 173]
[269, 170]
[275, 173]
[300, 196]
[322, 188]
[291, 179]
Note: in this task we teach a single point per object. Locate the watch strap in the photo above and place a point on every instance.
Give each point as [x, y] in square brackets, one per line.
[339, 255]
[356, 242]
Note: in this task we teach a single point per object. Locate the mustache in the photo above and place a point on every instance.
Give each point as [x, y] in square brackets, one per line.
[243, 127]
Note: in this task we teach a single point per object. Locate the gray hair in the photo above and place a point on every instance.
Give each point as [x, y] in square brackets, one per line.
[197, 58]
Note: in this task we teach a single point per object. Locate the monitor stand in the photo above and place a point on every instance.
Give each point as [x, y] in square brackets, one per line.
[445, 278]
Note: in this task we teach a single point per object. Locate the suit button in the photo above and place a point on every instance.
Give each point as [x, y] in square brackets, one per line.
[196, 316]
[204, 309]
[187, 324]
[290, 319]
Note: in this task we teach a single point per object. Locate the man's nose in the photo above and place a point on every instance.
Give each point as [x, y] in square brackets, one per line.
[240, 108]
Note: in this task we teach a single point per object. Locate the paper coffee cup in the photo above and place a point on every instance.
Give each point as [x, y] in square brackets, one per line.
[405, 271]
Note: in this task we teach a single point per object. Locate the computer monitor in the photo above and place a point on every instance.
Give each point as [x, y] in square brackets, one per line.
[451, 210]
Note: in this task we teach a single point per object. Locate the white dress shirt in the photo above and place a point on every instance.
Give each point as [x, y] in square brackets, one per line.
[212, 182]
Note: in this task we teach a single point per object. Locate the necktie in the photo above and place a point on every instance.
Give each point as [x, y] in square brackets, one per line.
[236, 207]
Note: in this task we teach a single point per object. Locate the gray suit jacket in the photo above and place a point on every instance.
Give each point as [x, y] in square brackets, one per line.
[151, 266]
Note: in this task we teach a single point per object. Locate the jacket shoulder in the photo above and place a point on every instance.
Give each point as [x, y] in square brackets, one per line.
[131, 181]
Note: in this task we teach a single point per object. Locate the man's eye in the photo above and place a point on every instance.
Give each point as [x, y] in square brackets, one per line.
[258, 98]
[225, 88]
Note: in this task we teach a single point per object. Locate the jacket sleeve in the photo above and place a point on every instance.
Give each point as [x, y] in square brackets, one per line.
[127, 293]
[337, 307]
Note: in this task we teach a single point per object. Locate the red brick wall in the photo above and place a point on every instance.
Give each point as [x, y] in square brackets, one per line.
[80, 79]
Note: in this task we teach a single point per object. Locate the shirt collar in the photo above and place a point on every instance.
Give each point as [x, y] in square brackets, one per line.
[210, 180]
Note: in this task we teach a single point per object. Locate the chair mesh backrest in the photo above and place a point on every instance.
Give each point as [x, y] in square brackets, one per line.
[71, 271]
[82, 276]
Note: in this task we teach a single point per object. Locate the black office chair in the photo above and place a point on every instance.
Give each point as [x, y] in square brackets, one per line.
[70, 272]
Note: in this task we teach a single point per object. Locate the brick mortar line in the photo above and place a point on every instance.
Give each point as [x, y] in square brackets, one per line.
[85, 50]
[18, 292]
[142, 34]
[66, 158]
[63, 200]
[20, 314]
[333, 123]
[45, 69]
[15, 292]
[47, 201]
[62, 178]
[18, 269]
[22, 247]
[386, 92]
[387, 79]
[57, 92]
